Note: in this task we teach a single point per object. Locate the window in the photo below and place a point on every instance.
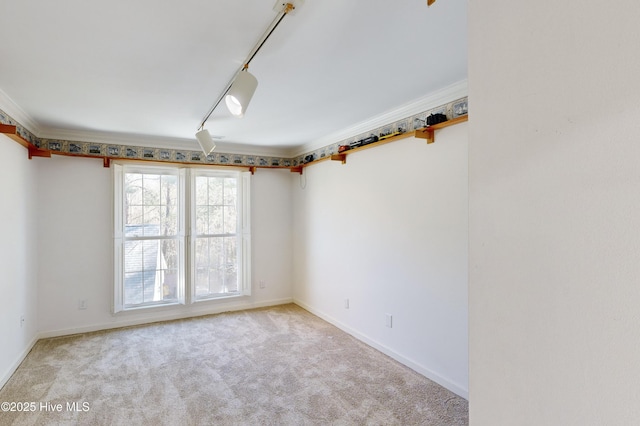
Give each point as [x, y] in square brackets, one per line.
[181, 235]
[216, 227]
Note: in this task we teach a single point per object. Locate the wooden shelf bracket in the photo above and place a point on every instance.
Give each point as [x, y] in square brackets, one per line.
[425, 133]
[12, 132]
[33, 151]
[37, 152]
[429, 133]
[339, 157]
[297, 169]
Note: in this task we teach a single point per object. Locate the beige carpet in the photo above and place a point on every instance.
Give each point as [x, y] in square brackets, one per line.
[272, 366]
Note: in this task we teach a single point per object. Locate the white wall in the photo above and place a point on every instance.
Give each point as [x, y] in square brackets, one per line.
[18, 257]
[271, 235]
[554, 156]
[76, 258]
[388, 231]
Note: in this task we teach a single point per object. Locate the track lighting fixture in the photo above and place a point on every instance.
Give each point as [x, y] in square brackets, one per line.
[239, 91]
[206, 141]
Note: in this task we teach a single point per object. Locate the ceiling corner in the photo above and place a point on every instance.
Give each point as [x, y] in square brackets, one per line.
[11, 108]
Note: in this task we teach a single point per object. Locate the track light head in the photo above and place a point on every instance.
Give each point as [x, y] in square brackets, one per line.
[206, 141]
[240, 93]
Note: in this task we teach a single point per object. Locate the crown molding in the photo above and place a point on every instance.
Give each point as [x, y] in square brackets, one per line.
[433, 100]
[12, 109]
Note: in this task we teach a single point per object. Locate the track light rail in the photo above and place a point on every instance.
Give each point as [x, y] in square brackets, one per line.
[286, 9]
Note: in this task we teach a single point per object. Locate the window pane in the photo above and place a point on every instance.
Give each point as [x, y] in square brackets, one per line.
[133, 199]
[151, 221]
[202, 282]
[169, 205]
[150, 271]
[169, 218]
[134, 216]
[201, 190]
[216, 266]
[215, 220]
[150, 205]
[230, 191]
[133, 256]
[214, 196]
[231, 265]
[216, 285]
[133, 189]
[133, 288]
[151, 190]
[169, 193]
[170, 253]
[230, 220]
[202, 220]
[202, 255]
[208, 257]
[215, 191]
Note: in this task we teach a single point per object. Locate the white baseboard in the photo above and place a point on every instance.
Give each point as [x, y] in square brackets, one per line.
[429, 374]
[13, 367]
[165, 316]
[453, 387]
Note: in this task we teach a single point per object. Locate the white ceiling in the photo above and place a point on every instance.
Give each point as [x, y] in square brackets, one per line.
[149, 71]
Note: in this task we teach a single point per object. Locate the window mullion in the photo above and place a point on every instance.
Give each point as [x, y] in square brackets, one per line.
[185, 234]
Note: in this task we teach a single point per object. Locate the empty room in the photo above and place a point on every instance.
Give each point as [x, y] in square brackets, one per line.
[235, 213]
[319, 212]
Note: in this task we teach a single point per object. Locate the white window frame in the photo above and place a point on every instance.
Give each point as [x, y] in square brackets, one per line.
[186, 225]
[243, 232]
[120, 239]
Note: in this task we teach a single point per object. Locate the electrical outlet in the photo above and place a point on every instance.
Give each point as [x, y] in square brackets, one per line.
[346, 303]
[82, 304]
[263, 283]
[389, 320]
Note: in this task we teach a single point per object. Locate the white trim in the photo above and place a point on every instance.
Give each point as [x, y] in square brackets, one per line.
[243, 230]
[119, 237]
[165, 316]
[209, 310]
[13, 367]
[429, 374]
[450, 93]
[244, 263]
[118, 258]
[9, 106]
[183, 234]
[218, 309]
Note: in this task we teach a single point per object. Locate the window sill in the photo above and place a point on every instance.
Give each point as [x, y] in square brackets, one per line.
[224, 297]
[147, 307]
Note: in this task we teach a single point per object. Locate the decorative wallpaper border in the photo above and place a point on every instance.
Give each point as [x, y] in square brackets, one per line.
[113, 151]
[451, 109]
[21, 130]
